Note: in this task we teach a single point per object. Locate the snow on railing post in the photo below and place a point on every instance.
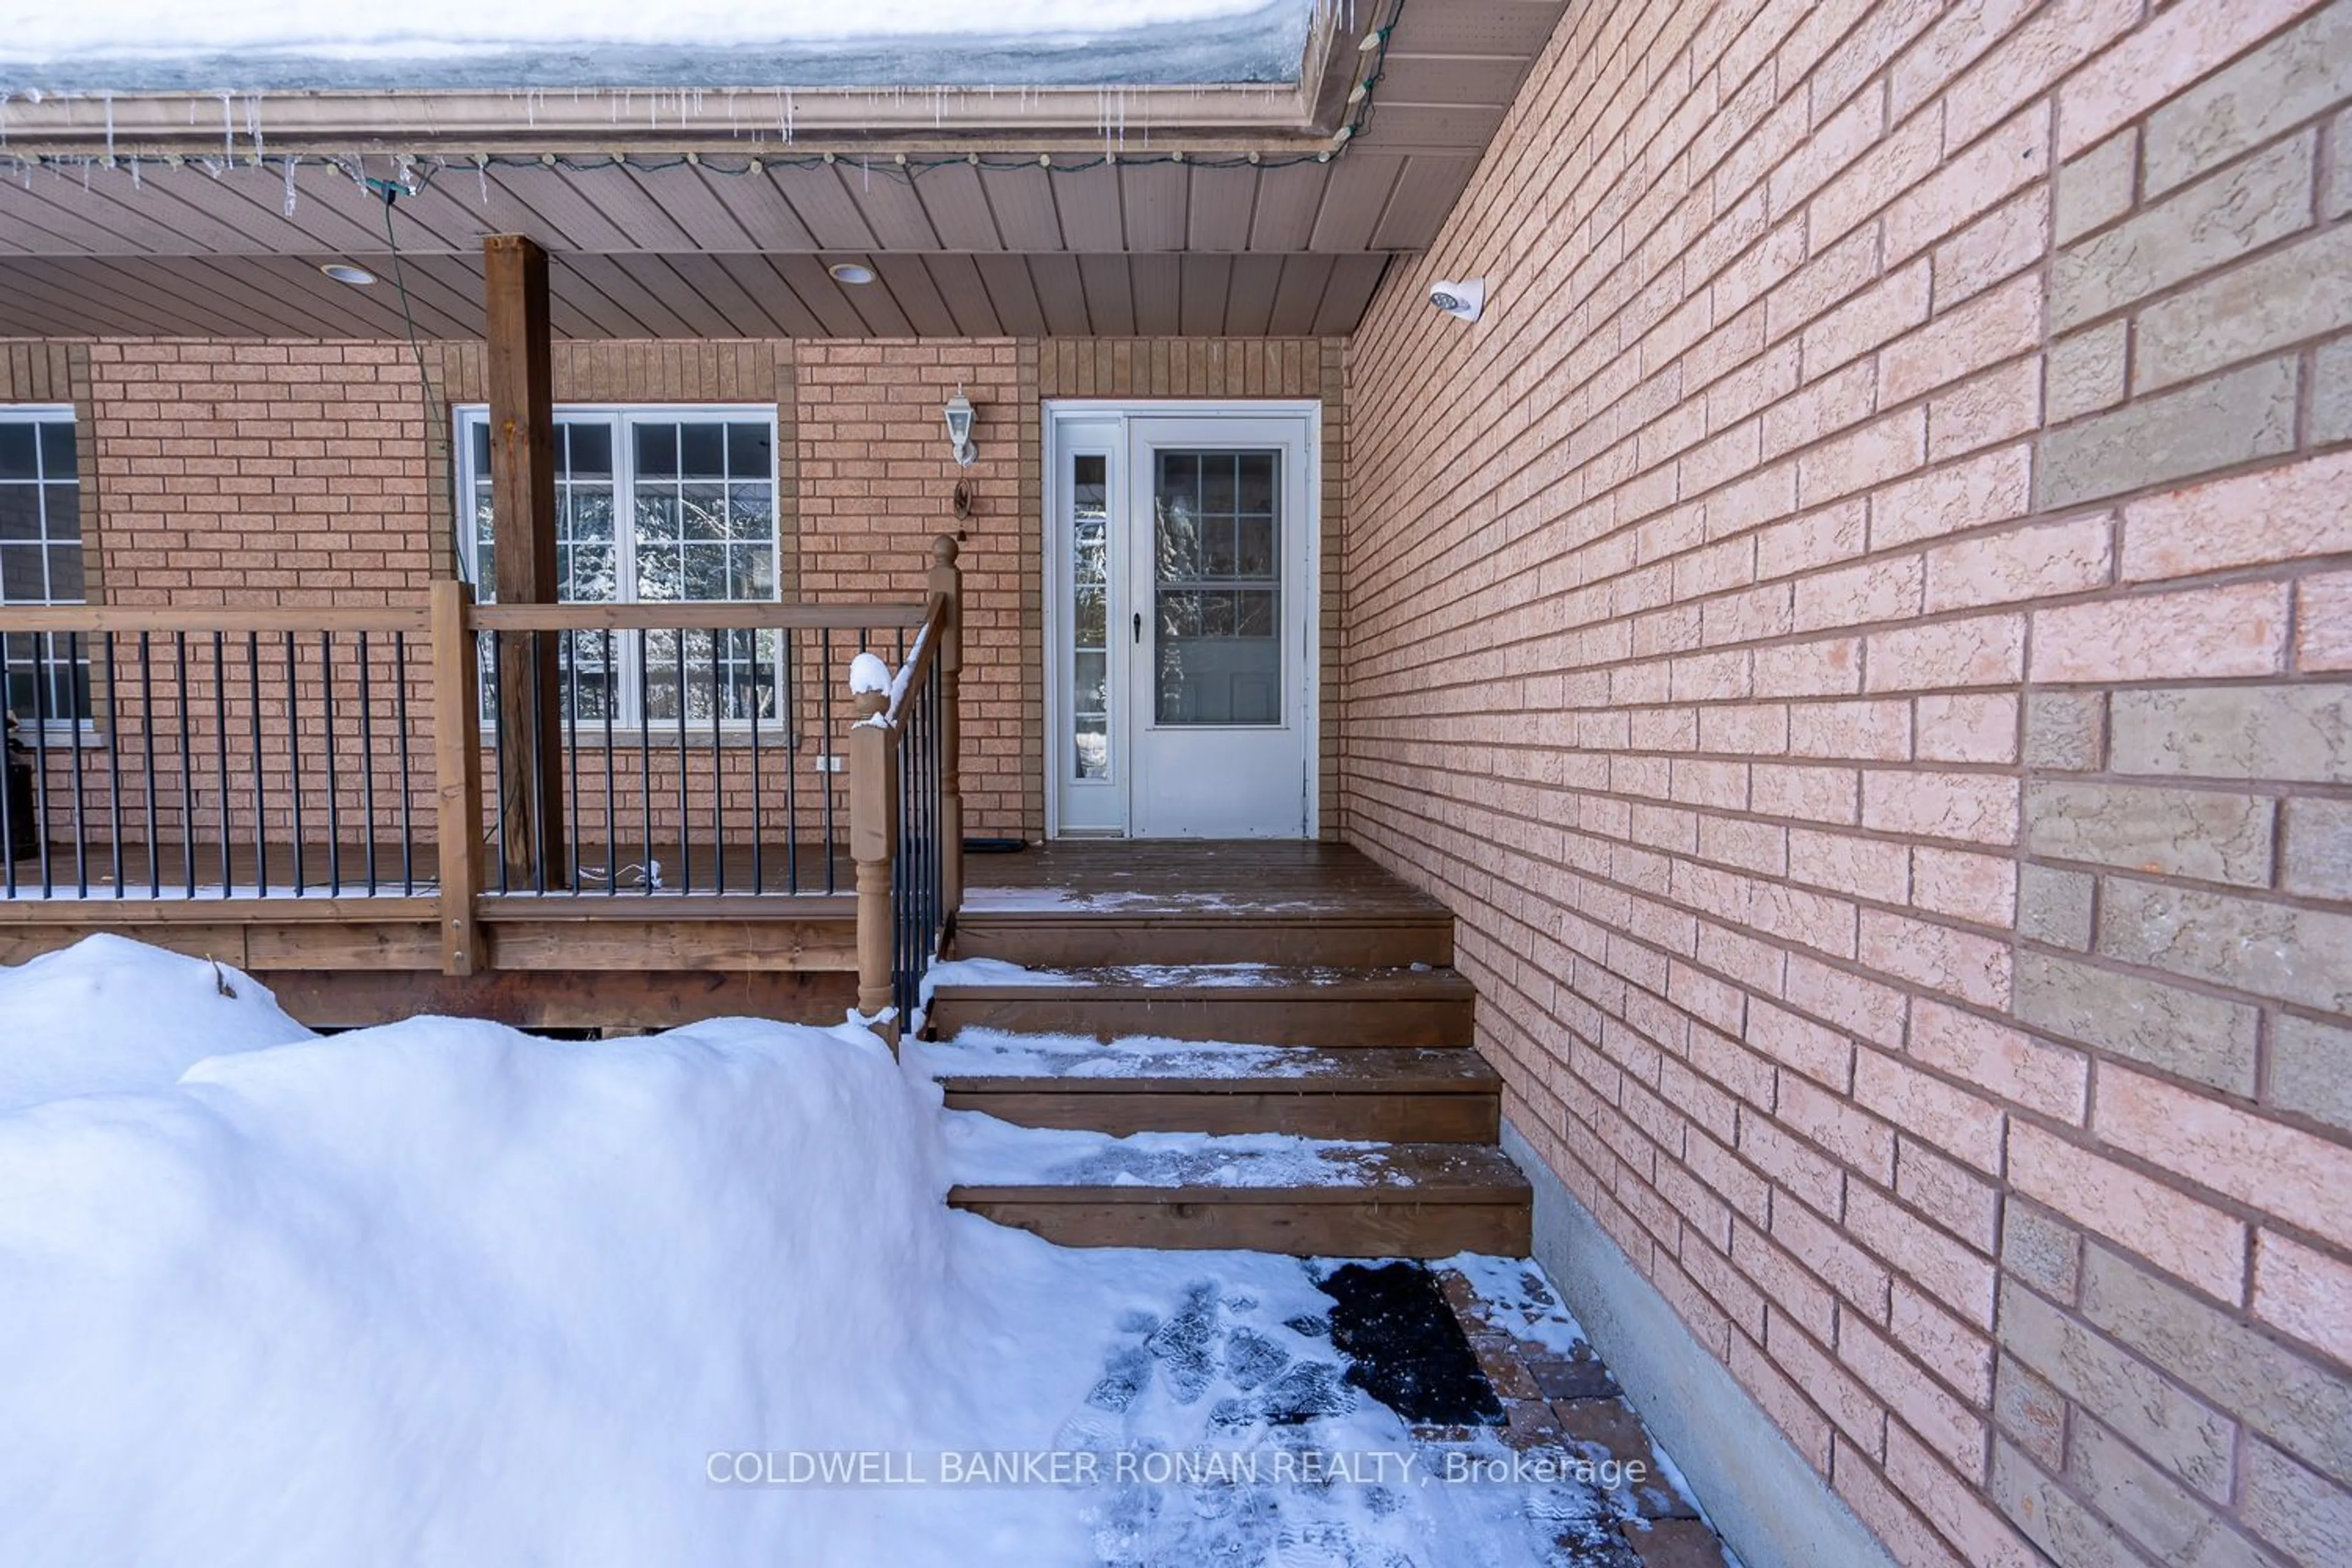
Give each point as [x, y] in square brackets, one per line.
[872, 841]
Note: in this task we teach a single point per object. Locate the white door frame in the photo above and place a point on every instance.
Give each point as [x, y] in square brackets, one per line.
[1054, 536]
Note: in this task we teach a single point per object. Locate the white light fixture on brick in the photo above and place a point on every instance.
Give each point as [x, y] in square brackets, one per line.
[344, 272]
[959, 419]
[1464, 300]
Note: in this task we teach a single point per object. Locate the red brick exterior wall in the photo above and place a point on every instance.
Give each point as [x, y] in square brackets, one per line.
[314, 474]
[1858, 632]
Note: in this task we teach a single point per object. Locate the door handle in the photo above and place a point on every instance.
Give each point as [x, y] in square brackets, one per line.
[1139, 628]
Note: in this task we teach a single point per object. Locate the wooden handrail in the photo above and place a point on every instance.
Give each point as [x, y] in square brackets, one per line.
[876, 809]
[134, 618]
[670, 615]
[694, 615]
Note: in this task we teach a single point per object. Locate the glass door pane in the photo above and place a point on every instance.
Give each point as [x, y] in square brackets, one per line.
[1090, 617]
[1217, 587]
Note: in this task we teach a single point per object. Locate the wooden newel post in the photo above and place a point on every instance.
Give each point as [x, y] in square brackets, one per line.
[873, 835]
[947, 581]
[457, 776]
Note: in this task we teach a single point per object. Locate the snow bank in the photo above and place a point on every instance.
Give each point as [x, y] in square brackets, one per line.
[442, 1291]
[111, 1014]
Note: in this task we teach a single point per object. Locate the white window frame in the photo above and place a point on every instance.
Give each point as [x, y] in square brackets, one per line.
[61, 414]
[629, 721]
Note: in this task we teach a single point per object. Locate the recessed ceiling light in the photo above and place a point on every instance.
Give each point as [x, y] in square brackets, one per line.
[850, 272]
[344, 272]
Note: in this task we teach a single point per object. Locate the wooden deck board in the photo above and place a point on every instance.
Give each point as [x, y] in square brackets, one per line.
[1147, 878]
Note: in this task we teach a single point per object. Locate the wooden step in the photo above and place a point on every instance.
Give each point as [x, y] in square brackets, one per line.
[1426, 1200]
[1269, 1005]
[1396, 1096]
[1336, 936]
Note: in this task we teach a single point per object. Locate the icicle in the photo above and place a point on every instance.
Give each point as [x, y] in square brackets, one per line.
[135, 183]
[482, 173]
[229, 126]
[109, 98]
[253, 122]
[291, 195]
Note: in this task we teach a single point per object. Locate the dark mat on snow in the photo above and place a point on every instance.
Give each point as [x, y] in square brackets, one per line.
[1407, 1346]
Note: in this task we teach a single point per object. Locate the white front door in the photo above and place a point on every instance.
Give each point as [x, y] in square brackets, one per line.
[1183, 638]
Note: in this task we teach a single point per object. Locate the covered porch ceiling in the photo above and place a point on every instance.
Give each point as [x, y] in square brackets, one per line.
[1239, 210]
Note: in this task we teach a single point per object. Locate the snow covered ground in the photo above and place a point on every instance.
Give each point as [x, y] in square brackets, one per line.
[443, 1292]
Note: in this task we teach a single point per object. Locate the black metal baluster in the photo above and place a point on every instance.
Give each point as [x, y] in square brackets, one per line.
[220, 749]
[113, 767]
[400, 720]
[294, 760]
[260, 780]
[147, 743]
[788, 709]
[759, 827]
[646, 756]
[334, 772]
[568, 643]
[612, 833]
[187, 764]
[535, 642]
[499, 750]
[7, 787]
[367, 761]
[43, 650]
[825, 757]
[73, 742]
[685, 831]
[717, 773]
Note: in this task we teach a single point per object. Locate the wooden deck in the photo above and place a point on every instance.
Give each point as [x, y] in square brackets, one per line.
[339, 953]
[345, 954]
[1099, 902]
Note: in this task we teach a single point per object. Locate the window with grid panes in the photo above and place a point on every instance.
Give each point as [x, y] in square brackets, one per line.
[656, 504]
[41, 561]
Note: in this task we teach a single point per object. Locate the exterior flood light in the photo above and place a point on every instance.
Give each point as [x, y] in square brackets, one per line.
[1464, 300]
[959, 419]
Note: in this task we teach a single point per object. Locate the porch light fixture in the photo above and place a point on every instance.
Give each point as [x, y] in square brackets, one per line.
[1463, 301]
[850, 272]
[959, 419]
[344, 272]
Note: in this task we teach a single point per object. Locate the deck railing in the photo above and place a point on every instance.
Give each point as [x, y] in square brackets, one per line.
[239, 755]
[907, 807]
[161, 753]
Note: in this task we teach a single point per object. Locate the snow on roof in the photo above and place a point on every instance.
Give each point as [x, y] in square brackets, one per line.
[128, 46]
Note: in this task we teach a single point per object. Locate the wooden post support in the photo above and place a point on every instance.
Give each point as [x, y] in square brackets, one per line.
[873, 840]
[947, 581]
[523, 480]
[457, 776]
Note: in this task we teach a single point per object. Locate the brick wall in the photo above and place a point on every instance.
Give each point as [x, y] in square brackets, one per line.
[309, 474]
[1858, 632]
